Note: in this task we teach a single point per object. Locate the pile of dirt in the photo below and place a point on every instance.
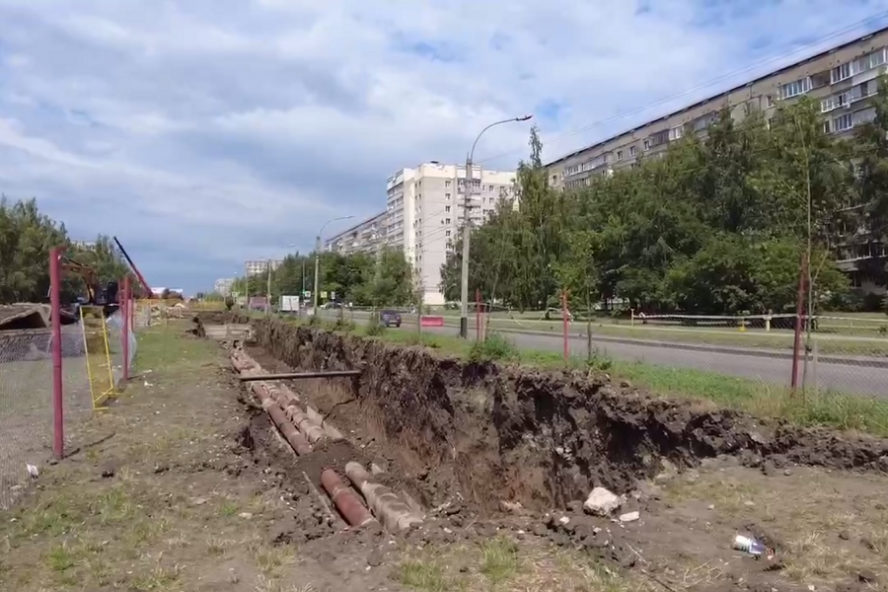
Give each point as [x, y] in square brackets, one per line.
[543, 439]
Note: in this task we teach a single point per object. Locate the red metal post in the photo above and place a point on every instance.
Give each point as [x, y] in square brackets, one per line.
[800, 311]
[566, 324]
[126, 317]
[55, 299]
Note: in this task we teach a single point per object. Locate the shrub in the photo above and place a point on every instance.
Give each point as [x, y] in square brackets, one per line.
[599, 360]
[494, 348]
[344, 325]
[374, 328]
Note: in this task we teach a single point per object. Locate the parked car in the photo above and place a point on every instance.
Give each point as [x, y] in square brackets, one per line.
[389, 318]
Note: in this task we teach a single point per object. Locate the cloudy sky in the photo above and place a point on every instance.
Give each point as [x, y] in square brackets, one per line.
[206, 132]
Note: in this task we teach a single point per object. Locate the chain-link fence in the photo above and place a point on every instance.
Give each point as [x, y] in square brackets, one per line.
[26, 400]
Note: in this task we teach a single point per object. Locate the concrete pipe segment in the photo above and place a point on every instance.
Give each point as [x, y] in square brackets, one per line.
[309, 422]
[392, 511]
[346, 501]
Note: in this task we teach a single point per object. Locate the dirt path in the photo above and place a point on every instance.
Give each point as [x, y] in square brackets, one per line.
[183, 486]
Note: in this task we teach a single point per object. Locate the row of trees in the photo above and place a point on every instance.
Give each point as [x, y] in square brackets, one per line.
[363, 279]
[716, 225]
[26, 237]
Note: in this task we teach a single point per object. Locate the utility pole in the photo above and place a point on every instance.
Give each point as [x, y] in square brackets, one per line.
[318, 259]
[467, 221]
[314, 296]
[464, 289]
[268, 290]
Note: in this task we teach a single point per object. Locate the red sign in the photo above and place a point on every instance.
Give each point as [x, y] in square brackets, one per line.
[432, 321]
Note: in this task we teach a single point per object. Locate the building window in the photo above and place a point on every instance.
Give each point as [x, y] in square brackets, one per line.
[795, 88]
[647, 144]
[447, 196]
[619, 155]
[447, 209]
[446, 233]
[632, 150]
[840, 73]
[447, 183]
[865, 116]
[843, 123]
[447, 221]
[676, 133]
[770, 100]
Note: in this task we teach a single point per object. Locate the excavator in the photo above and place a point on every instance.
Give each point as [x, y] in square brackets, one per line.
[96, 295]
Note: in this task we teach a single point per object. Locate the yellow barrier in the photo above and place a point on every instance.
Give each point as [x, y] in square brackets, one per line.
[207, 305]
[98, 356]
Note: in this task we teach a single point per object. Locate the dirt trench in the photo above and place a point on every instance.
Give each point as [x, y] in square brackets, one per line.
[542, 439]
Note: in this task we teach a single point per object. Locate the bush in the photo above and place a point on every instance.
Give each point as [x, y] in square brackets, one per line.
[494, 348]
[375, 328]
[599, 360]
[343, 325]
[315, 320]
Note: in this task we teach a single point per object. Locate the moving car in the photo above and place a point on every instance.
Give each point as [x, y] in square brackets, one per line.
[389, 318]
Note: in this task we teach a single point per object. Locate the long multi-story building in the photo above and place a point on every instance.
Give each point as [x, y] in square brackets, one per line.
[842, 79]
[367, 236]
[424, 212]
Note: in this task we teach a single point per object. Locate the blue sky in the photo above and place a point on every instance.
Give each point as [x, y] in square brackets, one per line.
[208, 132]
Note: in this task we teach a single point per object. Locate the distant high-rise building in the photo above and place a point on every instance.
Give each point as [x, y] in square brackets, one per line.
[261, 266]
[425, 207]
[222, 286]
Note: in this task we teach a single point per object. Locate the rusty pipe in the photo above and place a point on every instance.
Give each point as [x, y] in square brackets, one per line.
[300, 420]
[346, 501]
[392, 511]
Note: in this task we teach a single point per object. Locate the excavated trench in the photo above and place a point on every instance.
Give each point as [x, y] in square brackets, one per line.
[444, 429]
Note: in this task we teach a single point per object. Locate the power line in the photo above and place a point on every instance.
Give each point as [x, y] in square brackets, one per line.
[712, 82]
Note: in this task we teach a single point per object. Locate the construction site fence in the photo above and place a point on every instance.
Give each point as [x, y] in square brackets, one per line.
[48, 392]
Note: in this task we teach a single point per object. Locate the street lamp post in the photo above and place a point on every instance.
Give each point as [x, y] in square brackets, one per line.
[318, 259]
[469, 187]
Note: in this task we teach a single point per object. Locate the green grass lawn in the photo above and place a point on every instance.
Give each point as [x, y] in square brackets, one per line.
[863, 334]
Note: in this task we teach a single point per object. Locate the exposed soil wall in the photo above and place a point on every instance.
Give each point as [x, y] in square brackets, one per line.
[509, 433]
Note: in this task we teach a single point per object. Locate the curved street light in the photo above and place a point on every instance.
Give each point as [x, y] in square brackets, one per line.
[464, 291]
[318, 259]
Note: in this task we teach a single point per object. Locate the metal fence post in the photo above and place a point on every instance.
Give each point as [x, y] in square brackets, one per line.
[55, 298]
[126, 328]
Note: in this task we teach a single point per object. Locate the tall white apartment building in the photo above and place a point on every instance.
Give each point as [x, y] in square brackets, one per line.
[258, 267]
[425, 210]
[222, 286]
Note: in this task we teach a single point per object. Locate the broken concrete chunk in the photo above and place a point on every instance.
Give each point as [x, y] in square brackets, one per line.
[601, 502]
[629, 517]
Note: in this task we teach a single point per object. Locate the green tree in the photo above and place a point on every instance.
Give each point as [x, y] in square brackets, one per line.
[26, 237]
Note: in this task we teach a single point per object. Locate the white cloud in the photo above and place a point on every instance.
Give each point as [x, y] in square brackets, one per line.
[208, 132]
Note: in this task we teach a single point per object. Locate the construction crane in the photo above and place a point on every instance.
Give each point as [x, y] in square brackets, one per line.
[148, 292]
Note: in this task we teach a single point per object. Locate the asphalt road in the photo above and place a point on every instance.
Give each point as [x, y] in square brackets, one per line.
[770, 367]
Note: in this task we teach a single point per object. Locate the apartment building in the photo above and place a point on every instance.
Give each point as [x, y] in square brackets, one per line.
[365, 237]
[222, 286]
[425, 207]
[842, 79]
[260, 266]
